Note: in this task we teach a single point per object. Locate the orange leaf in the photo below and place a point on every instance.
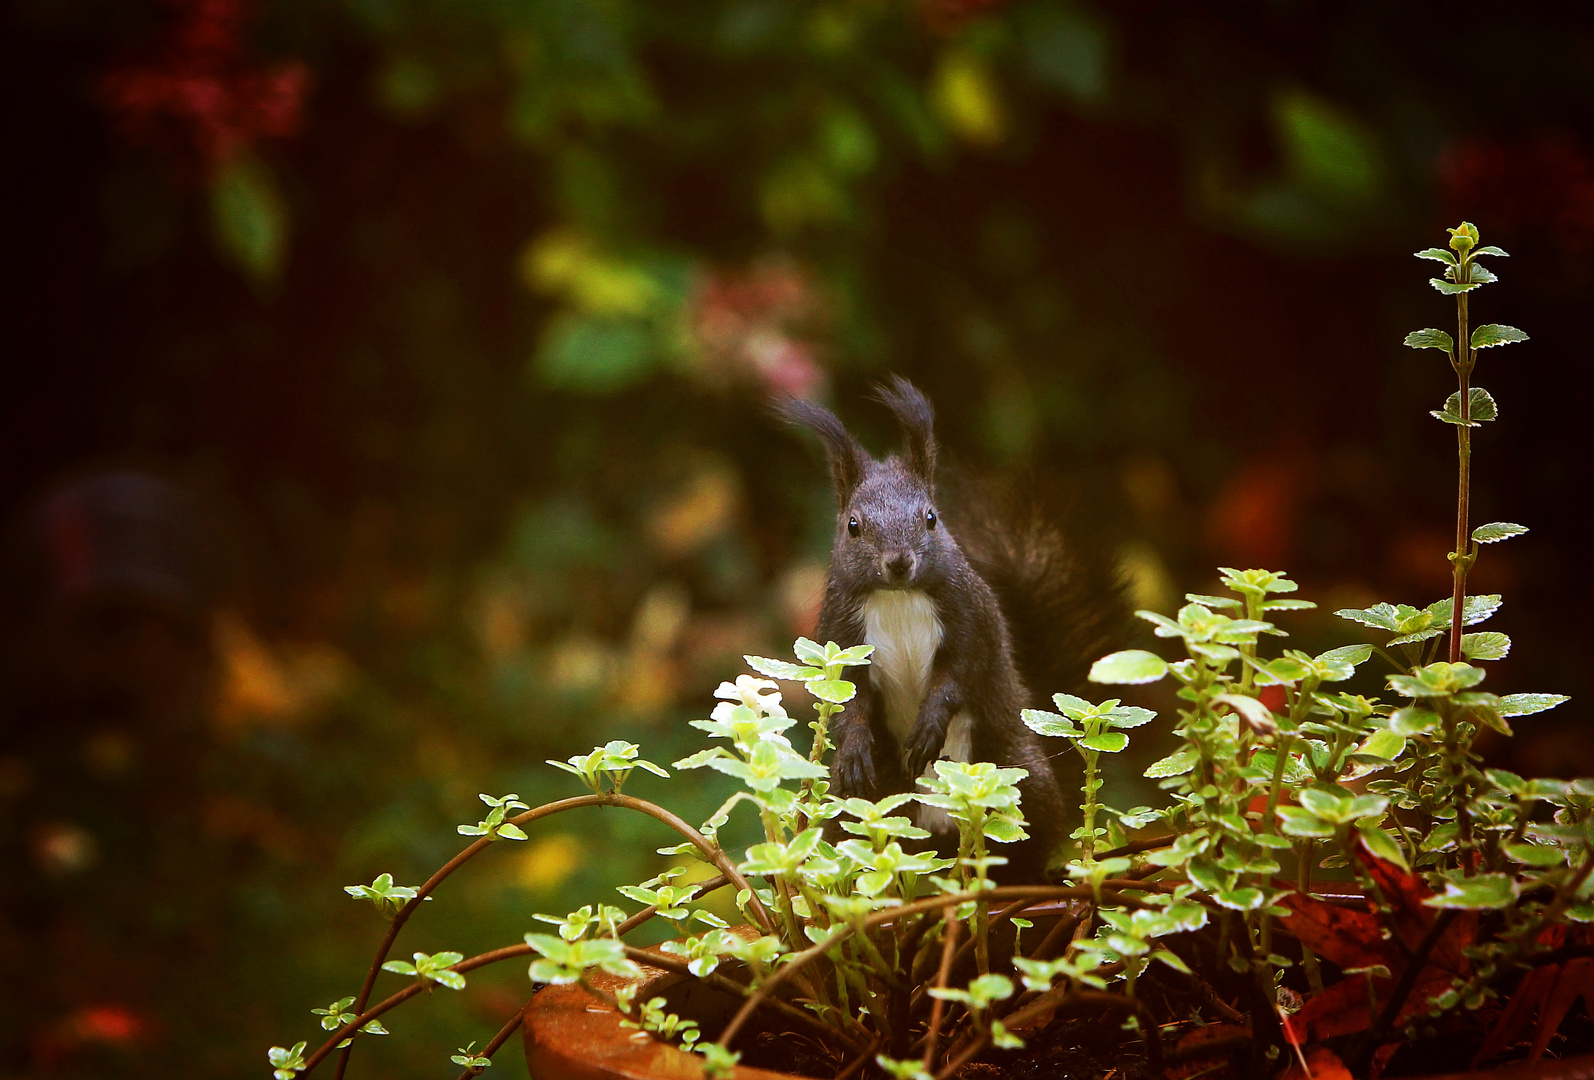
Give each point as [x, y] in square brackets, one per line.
[1344, 935]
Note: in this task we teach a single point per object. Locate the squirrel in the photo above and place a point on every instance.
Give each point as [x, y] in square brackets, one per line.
[947, 678]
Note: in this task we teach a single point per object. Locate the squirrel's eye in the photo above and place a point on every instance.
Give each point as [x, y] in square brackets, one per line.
[929, 519]
[852, 526]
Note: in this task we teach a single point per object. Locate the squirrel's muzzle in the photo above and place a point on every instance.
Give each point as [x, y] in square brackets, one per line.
[897, 567]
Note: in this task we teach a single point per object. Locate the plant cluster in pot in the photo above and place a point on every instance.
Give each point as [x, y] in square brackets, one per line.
[1337, 886]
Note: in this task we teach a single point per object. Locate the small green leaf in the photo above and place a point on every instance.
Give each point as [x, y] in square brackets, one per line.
[1288, 605]
[1298, 822]
[1490, 249]
[286, 1062]
[1175, 764]
[781, 669]
[1382, 844]
[1481, 407]
[1414, 720]
[1379, 616]
[1528, 704]
[1050, 723]
[1492, 334]
[1346, 654]
[1172, 961]
[1496, 531]
[249, 218]
[1450, 288]
[857, 655]
[1246, 899]
[1327, 804]
[1255, 714]
[1132, 666]
[835, 691]
[1437, 680]
[810, 652]
[1384, 743]
[1437, 255]
[1130, 716]
[718, 1061]
[1539, 855]
[1483, 892]
[1430, 339]
[1488, 645]
[1108, 742]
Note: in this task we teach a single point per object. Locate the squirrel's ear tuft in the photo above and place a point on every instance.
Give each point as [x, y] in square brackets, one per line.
[846, 457]
[912, 410]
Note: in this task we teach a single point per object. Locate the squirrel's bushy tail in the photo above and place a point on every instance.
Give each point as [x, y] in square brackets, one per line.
[1058, 586]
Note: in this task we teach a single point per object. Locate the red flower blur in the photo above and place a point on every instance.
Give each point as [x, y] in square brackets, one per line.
[1540, 185]
[201, 91]
[745, 325]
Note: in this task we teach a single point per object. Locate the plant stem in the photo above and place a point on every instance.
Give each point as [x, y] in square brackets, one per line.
[1088, 808]
[982, 913]
[938, 1010]
[1460, 560]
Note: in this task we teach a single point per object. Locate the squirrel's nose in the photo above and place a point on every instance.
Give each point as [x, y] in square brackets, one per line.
[897, 566]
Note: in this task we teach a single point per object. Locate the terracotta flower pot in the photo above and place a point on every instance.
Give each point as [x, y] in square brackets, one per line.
[571, 1035]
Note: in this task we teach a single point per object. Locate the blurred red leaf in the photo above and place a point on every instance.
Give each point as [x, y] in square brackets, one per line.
[1548, 991]
[1355, 938]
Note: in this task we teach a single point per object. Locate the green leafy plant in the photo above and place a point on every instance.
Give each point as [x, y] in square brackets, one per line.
[1453, 883]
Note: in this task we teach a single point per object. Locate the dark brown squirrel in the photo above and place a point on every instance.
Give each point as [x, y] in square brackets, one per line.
[947, 677]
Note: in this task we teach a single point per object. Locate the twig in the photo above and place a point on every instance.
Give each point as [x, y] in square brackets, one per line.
[938, 1010]
[1064, 929]
[1135, 847]
[1210, 996]
[1463, 359]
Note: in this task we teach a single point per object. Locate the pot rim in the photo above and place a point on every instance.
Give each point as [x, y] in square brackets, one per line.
[571, 1035]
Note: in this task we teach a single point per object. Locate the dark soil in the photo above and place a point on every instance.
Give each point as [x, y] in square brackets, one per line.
[1063, 1050]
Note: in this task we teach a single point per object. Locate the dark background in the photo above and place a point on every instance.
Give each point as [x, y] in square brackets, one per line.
[383, 411]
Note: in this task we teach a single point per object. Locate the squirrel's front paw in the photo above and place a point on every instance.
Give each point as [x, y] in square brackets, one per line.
[854, 769]
[923, 746]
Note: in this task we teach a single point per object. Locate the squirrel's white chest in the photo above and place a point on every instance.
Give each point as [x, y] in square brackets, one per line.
[905, 631]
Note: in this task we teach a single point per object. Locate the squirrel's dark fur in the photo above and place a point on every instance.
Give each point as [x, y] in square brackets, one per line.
[958, 621]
